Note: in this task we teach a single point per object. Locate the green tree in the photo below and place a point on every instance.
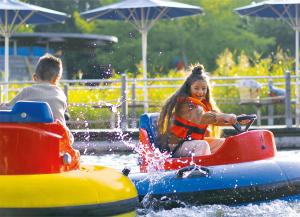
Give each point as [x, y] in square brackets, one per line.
[192, 39]
[75, 59]
[218, 30]
[279, 30]
[65, 6]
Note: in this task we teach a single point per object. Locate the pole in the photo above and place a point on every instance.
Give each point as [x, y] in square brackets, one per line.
[1, 93]
[6, 66]
[133, 103]
[6, 55]
[144, 59]
[66, 91]
[288, 112]
[297, 79]
[297, 68]
[124, 110]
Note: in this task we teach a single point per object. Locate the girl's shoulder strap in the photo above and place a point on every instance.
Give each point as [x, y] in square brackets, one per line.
[195, 102]
[186, 100]
[206, 105]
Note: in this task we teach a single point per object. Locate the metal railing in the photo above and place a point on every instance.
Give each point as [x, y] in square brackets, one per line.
[118, 107]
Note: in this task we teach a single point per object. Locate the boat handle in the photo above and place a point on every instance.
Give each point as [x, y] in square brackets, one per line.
[126, 171]
[239, 118]
[204, 171]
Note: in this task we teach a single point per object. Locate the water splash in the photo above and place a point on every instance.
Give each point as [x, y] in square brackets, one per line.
[274, 208]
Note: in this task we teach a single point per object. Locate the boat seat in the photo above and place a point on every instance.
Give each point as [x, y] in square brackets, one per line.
[27, 112]
[31, 142]
[148, 121]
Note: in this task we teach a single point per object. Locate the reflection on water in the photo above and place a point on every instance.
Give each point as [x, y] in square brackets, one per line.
[117, 161]
[275, 208]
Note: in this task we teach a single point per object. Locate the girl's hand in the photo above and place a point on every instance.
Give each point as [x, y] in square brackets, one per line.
[226, 119]
[230, 118]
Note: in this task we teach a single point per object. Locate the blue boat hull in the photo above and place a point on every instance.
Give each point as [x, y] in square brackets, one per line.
[241, 183]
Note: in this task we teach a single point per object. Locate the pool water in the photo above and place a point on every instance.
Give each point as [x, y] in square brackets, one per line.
[275, 208]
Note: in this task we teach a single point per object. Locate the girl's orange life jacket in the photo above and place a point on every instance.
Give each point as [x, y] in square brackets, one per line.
[188, 130]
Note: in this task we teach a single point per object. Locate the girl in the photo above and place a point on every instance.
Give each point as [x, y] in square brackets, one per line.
[185, 117]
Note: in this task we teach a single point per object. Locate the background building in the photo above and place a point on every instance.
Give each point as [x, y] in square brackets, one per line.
[26, 48]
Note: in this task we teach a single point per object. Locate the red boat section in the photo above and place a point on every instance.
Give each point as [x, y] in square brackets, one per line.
[34, 148]
[248, 146]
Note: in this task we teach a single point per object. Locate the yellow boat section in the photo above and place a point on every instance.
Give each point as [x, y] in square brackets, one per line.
[90, 185]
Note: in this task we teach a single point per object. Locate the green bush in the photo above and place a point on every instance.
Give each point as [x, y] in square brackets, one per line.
[229, 64]
[84, 100]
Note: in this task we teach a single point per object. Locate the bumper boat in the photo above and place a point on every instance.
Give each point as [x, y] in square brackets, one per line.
[244, 169]
[40, 173]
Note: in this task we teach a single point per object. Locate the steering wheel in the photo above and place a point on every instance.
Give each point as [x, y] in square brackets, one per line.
[237, 126]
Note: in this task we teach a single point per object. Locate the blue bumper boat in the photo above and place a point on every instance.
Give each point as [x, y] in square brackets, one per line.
[246, 169]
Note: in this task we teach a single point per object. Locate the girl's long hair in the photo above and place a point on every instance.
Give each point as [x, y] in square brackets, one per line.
[168, 109]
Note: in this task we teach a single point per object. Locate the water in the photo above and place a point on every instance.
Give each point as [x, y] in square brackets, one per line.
[275, 208]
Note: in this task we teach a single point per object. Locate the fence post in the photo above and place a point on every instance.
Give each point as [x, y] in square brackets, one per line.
[270, 105]
[1, 93]
[66, 91]
[133, 103]
[271, 114]
[124, 110]
[288, 112]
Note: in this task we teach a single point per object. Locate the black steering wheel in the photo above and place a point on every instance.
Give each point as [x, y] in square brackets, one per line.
[237, 126]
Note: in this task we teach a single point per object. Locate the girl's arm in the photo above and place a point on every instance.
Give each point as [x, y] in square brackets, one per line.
[216, 118]
[197, 115]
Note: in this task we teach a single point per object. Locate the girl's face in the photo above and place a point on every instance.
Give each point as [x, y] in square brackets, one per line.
[199, 89]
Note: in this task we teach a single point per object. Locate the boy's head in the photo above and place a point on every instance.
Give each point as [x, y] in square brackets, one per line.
[49, 69]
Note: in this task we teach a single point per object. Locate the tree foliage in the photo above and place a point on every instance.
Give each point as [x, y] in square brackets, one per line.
[189, 39]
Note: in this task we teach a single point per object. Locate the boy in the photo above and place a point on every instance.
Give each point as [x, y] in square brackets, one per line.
[47, 74]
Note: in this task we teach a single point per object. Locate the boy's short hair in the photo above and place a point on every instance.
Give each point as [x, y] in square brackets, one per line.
[48, 67]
